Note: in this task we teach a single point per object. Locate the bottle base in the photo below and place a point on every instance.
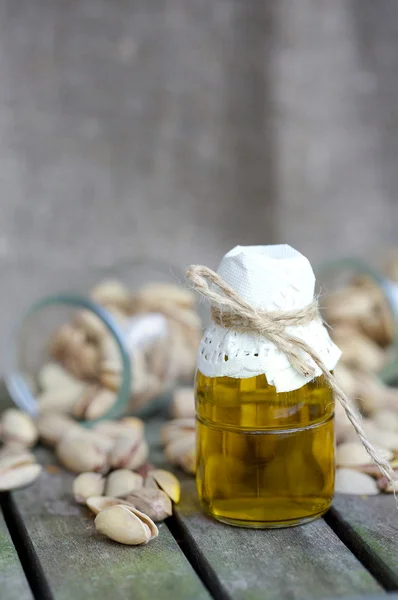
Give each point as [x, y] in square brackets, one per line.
[267, 525]
[272, 523]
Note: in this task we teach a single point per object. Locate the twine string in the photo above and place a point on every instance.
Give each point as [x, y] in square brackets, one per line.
[231, 311]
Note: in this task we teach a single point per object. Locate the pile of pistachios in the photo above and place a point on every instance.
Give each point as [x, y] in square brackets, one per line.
[162, 331]
[126, 494]
[363, 327]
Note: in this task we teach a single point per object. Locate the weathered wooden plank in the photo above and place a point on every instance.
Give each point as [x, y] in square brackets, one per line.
[369, 527]
[80, 564]
[13, 584]
[298, 563]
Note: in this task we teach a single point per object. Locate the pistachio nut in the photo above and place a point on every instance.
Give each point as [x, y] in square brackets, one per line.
[353, 454]
[79, 453]
[53, 426]
[17, 460]
[122, 482]
[188, 461]
[129, 452]
[94, 404]
[61, 400]
[66, 339]
[167, 482]
[86, 485]
[154, 532]
[387, 486]
[162, 294]
[153, 502]
[358, 351]
[126, 427]
[17, 426]
[52, 376]
[386, 420]
[387, 439]
[93, 327]
[111, 293]
[125, 525]
[12, 449]
[98, 503]
[177, 448]
[83, 361]
[133, 423]
[174, 429]
[349, 481]
[183, 403]
[18, 470]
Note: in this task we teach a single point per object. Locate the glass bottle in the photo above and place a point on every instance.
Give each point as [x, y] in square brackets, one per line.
[265, 435]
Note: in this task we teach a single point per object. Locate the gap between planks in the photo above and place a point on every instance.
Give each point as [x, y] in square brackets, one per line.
[24, 547]
[363, 552]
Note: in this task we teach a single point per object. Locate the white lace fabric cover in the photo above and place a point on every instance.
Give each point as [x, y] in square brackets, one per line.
[269, 278]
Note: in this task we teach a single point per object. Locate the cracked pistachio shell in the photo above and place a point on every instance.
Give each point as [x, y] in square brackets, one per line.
[153, 502]
[154, 532]
[80, 453]
[17, 426]
[173, 430]
[12, 461]
[98, 503]
[168, 483]
[94, 404]
[19, 476]
[11, 449]
[121, 525]
[122, 482]
[129, 452]
[86, 485]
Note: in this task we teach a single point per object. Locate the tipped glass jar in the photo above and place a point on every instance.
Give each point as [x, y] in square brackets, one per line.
[118, 345]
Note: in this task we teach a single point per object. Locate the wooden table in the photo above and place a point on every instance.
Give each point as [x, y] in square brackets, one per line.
[351, 553]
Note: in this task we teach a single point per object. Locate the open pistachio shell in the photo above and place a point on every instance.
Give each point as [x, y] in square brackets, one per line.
[121, 525]
[17, 426]
[17, 460]
[154, 532]
[129, 452]
[19, 476]
[168, 483]
[153, 502]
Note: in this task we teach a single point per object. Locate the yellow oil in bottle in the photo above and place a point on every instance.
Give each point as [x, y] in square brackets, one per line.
[264, 459]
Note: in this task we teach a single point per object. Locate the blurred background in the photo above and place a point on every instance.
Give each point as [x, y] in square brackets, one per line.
[177, 129]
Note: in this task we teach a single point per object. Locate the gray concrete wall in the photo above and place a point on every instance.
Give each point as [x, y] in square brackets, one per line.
[177, 129]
